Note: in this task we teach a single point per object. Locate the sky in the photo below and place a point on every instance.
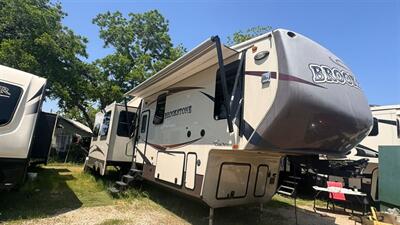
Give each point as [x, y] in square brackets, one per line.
[363, 34]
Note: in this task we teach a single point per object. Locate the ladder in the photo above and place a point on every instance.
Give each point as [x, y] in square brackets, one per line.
[289, 188]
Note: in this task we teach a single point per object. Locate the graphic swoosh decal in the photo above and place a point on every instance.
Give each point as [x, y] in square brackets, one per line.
[283, 76]
[38, 93]
[97, 149]
[171, 146]
[208, 96]
[390, 122]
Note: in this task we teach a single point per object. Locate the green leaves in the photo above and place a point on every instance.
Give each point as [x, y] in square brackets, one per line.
[142, 47]
[241, 36]
[33, 39]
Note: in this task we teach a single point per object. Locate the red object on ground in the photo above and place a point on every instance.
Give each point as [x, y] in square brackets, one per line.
[336, 196]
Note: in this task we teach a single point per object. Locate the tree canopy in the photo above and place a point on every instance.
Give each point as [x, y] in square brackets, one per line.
[142, 47]
[33, 39]
[241, 36]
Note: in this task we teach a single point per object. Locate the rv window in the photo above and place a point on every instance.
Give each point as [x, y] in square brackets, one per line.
[9, 98]
[160, 109]
[96, 131]
[398, 129]
[375, 128]
[105, 126]
[219, 107]
[144, 123]
[123, 125]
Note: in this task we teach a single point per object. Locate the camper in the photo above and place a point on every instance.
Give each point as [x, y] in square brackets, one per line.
[385, 131]
[21, 96]
[111, 144]
[215, 124]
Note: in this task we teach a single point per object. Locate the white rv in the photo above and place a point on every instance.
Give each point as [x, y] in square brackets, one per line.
[385, 131]
[215, 123]
[21, 96]
[111, 144]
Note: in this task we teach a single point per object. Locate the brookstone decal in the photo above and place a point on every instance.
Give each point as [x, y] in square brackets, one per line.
[179, 111]
[325, 74]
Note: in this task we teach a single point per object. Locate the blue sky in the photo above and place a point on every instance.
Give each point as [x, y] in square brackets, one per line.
[364, 34]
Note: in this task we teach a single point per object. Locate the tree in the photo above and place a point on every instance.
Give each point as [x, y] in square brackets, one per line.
[241, 36]
[142, 47]
[33, 39]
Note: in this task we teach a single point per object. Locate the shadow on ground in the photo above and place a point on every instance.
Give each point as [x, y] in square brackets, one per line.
[48, 195]
[275, 212]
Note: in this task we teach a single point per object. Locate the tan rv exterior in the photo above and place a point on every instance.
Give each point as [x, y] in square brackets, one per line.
[280, 101]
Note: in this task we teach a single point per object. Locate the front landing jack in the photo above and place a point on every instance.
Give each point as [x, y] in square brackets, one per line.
[211, 217]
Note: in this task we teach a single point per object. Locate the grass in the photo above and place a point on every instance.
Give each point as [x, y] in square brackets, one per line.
[61, 188]
[57, 188]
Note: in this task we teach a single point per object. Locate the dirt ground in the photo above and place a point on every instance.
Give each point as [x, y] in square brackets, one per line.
[63, 194]
[134, 214]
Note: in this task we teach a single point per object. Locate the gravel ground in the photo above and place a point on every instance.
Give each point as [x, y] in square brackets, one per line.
[135, 214]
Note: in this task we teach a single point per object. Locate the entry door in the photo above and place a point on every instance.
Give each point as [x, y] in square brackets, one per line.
[140, 151]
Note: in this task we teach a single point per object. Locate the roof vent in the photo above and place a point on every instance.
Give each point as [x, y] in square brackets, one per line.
[291, 34]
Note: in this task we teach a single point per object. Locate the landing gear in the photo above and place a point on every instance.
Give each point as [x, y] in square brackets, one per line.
[211, 217]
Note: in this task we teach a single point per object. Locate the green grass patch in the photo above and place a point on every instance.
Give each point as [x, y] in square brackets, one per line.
[58, 188]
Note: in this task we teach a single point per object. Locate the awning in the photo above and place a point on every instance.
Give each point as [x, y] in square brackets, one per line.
[201, 57]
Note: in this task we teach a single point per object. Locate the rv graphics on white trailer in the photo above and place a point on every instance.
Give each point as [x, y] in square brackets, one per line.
[215, 124]
[21, 96]
[111, 144]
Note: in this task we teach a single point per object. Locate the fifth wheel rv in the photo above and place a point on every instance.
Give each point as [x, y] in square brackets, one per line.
[215, 124]
[21, 96]
[111, 144]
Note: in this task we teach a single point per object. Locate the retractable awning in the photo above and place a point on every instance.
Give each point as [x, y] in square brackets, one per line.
[201, 57]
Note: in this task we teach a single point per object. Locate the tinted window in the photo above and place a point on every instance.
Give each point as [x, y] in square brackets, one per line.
[105, 126]
[398, 128]
[144, 123]
[160, 109]
[230, 72]
[96, 131]
[125, 126]
[9, 98]
[375, 128]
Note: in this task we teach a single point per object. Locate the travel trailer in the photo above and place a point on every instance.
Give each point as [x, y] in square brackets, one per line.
[111, 144]
[215, 124]
[21, 96]
[385, 131]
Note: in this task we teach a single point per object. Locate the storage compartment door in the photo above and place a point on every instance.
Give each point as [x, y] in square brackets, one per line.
[233, 180]
[190, 171]
[169, 167]
[261, 181]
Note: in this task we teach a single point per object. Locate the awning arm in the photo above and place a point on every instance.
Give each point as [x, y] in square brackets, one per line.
[221, 65]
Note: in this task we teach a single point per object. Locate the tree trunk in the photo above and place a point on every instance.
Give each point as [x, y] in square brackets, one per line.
[89, 122]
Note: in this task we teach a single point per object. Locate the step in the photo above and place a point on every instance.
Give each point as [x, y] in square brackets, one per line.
[113, 190]
[284, 193]
[286, 187]
[290, 182]
[127, 178]
[135, 171]
[121, 183]
[296, 178]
